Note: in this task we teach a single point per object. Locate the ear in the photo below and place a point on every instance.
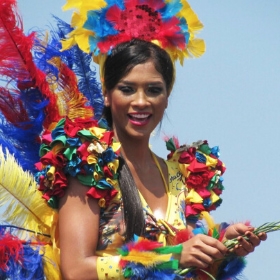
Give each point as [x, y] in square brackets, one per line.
[106, 99]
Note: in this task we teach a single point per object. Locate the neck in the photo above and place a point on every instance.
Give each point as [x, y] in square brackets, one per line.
[136, 151]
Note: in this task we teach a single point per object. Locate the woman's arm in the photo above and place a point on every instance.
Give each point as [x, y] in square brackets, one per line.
[78, 232]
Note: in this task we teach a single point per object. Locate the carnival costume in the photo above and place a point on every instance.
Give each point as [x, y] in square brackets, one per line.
[50, 115]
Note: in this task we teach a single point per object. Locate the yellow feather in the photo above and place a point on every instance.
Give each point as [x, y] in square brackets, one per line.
[146, 258]
[196, 48]
[71, 102]
[23, 203]
[84, 4]
[25, 207]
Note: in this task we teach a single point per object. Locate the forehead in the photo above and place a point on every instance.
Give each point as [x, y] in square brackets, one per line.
[143, 72]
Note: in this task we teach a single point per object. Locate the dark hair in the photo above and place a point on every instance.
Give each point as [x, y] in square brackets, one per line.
[127, 55]
[122, 59]
[132, 206]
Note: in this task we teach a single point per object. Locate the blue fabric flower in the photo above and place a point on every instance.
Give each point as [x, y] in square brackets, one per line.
[200, 157]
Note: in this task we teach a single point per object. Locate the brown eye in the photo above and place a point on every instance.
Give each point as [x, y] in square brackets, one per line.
[155, 90]
[126, 89]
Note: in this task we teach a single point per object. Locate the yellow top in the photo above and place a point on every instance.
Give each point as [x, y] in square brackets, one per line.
[112, 225]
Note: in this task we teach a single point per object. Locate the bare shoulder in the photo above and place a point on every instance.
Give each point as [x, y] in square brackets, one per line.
[75, 198]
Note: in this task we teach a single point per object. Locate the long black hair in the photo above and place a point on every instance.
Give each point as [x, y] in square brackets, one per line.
[120, 62]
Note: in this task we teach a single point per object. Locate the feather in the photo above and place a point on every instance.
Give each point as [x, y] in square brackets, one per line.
[23, 204]
[80, 63]
[171, 9]
[12, 107]
[16, 63]
[70, 101]
[76, 60]
[18, 259]
[21, 123]
[10, 248]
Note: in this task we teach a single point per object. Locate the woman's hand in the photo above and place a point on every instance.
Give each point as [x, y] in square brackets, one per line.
[244, 247]
[201, 251]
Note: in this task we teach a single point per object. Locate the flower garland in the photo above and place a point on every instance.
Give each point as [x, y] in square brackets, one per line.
[201, 167]
[80, 148]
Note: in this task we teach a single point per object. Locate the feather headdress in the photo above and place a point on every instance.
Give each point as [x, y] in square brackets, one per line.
[101, 25]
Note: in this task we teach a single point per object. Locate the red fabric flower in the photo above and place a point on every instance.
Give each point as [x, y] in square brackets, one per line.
[187, 156]
[194, 209]
[220, 166]
[46, 137]
[59, 184]
[217, 191]
[83, 153]
[50, 158]
[107, 172]
[99, 193]
[204, 193]
[199, 180]
[107, 137]
[196, 166]
[55, 188]
[38, 166]
[72, 127]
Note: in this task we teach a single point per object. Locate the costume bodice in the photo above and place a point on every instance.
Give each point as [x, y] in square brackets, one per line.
[112, 229]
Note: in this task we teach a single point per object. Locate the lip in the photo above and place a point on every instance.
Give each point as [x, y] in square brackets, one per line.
[139, 119]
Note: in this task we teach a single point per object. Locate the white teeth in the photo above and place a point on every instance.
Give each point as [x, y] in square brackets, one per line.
[140, 116]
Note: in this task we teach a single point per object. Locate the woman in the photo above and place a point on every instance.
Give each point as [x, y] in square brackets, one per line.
[107, 194]
[138, 79]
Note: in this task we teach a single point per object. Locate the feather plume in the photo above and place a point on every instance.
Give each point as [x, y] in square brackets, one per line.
[23, 204]
[171, 9]
[12, 107]
[21, 123]
[47, 54]
[16, 62]
[70, 101]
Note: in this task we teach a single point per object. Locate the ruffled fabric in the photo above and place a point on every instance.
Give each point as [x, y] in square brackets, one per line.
[80, 148]
[203, 170]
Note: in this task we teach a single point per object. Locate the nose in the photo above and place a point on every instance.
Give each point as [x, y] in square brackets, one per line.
[140, 99]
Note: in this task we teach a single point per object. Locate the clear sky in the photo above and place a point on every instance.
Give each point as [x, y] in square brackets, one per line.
[231, 97]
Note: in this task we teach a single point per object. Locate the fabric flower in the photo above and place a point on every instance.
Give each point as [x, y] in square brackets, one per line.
[199, 179]
[71, 128]
[187, 156]
[53, 159]
[107, 194]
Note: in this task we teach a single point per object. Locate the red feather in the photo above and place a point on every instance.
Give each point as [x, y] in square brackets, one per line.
[16, 62]
[10, 248]
[12, 107]
[143, 245]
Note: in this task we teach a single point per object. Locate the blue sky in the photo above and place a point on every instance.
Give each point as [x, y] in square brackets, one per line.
[230, 97]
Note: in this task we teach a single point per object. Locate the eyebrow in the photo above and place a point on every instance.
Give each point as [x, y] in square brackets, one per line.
[155, 83]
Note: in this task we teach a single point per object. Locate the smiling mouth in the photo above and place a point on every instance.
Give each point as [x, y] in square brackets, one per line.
[139, 119]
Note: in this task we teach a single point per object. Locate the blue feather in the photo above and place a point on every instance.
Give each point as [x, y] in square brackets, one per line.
[30, 265]
[76, 60]
[97, 21]
[231, 268]
[119, 3]
[21, 138]
[171, 9]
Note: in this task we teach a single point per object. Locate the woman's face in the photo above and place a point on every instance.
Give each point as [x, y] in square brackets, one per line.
[137, 102]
